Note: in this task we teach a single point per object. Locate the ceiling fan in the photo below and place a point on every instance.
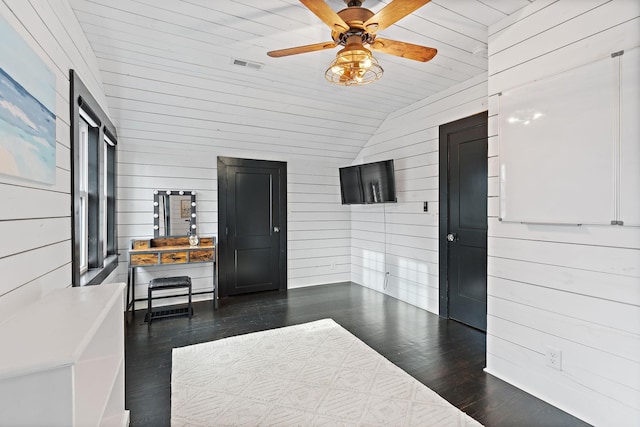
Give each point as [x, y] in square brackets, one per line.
[356, 29]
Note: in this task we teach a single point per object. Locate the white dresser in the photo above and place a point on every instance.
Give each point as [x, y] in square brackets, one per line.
[62, 360]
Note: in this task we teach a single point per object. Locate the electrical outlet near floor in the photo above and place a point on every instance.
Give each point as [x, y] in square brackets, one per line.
[554, 358]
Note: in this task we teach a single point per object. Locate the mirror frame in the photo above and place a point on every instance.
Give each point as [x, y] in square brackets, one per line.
[156, 209]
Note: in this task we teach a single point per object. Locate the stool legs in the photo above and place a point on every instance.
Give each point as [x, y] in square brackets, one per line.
[164, 283]
[149, 313]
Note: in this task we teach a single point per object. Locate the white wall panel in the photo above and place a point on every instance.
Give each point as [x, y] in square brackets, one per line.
[318, 224]
[574, 54]
[35, 219]
[504, 355]
[576, 289]
[400, 238]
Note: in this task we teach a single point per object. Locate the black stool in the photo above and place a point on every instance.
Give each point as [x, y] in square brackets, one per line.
[163, 283]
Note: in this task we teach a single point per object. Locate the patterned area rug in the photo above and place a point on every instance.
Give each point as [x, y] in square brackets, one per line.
[314, 374]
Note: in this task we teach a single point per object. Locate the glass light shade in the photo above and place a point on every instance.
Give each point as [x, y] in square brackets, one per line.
[354, 66]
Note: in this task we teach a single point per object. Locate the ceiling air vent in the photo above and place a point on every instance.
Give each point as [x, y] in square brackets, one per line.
[247, 64]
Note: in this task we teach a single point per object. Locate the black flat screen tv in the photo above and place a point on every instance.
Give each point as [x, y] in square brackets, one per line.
[368, 183]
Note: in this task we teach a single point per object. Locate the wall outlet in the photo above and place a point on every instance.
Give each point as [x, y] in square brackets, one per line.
[553, 358]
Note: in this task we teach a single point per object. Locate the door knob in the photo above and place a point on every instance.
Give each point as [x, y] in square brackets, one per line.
[276, 229]
[452, 237]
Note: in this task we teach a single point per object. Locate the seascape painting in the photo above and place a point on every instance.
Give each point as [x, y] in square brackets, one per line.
[27, 111]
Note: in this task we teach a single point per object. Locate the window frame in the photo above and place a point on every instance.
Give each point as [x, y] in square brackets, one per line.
[82, 191]
[98, 194]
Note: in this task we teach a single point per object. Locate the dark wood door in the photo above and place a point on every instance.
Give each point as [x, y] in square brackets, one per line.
[252, 225]
[464, 236]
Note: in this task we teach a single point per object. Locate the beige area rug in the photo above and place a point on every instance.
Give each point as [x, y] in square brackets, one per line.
[314, 374]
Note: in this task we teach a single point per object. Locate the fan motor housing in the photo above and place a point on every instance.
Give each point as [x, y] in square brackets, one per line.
[355, 17]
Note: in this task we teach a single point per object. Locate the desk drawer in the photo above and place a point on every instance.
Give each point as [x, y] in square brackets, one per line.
[201, 256]
[173, 257]
[144, 259]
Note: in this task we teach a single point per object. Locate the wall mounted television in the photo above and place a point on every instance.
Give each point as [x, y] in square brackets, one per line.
[368, 183]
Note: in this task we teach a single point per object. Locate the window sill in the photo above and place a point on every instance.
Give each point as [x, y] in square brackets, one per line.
[96, 276]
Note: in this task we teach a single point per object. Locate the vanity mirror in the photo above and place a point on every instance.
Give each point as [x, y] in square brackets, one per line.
[174, 213]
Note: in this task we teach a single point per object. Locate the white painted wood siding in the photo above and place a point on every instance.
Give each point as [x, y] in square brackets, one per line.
[318, 225]
[178, 102]
[168, 141]
[175, 115]
[200, 38]
[35, 220]
[573, 288]
[400, 238]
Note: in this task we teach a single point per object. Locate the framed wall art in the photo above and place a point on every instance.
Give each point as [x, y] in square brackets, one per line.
[27, 111]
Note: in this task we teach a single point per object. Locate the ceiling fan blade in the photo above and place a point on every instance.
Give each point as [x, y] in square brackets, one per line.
[391, 13]
[323, 11]
[403, 49]
[301, 49]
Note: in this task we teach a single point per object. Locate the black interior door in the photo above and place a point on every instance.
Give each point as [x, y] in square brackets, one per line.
[251, 225]
[465, 231]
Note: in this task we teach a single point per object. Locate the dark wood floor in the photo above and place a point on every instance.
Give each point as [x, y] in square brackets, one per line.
[446, 356]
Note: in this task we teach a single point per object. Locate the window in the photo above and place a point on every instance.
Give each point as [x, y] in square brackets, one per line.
[83, 216]
[94, 192]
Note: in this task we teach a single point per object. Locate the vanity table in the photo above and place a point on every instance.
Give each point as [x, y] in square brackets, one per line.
[162, 251]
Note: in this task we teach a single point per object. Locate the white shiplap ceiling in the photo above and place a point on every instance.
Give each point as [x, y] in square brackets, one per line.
[179, 53]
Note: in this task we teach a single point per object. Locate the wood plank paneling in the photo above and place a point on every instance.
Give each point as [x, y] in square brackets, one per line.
[319, 232]
[26, 235]
[576, 289]
[147, 32]
[588, 49]
[21, 269]
[179, 102]
[35, 219]
[503, 354]
[400, 238]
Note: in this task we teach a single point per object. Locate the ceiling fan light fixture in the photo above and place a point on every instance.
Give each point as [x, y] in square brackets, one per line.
[354, 66]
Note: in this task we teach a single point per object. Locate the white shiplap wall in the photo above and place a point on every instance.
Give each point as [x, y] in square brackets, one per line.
[402, 233]
[318, 225]
[576, 289]
[175, 95]
[35, 220]
[175, 115]
[170, 134]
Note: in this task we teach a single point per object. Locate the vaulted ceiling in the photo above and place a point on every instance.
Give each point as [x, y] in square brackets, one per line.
[179, 53]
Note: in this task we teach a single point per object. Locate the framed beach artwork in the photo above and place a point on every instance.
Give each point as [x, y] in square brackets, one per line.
[27, 111]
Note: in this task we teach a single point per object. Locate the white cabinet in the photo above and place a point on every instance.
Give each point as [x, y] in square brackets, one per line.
[62, 360]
